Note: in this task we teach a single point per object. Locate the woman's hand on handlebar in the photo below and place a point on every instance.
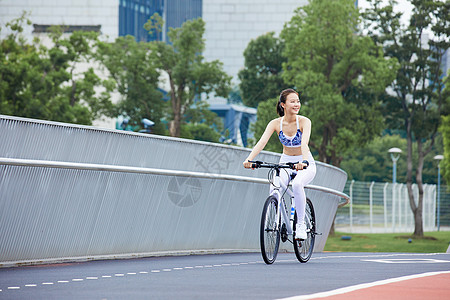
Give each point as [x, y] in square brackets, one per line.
[301, 165]
[247, 164]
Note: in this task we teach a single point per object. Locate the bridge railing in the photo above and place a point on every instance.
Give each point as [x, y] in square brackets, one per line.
[71, 192]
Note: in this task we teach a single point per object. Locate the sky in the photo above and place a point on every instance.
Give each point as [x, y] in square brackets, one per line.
[403, 6]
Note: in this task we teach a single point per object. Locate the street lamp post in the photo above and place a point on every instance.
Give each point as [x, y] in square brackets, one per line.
[395, 154]
[439, 158]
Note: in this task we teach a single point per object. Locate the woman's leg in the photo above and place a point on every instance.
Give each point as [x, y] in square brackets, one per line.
[303, 178]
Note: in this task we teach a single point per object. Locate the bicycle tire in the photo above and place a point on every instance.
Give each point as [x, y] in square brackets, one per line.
[269, 234]
[304, 248]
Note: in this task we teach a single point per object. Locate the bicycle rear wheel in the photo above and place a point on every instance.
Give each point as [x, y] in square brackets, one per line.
[269, 233]
[304, 248]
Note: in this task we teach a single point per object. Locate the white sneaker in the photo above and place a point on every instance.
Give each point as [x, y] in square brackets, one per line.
[300, 231]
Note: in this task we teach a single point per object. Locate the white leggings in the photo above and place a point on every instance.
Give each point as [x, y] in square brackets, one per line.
[302, 178]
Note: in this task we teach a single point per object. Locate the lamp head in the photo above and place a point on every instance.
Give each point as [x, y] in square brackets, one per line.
[395, 150]
[439, 157]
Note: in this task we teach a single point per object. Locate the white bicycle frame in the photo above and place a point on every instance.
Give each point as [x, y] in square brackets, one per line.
[281, 211]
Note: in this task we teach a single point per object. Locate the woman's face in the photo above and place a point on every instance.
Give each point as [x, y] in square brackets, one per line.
[292, 105]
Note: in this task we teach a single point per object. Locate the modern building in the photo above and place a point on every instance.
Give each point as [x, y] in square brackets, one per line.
[230, 25]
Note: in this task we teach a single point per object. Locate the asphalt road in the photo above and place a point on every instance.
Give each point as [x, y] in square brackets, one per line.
[225, 276]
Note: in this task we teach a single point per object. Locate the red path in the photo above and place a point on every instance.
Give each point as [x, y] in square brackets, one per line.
[430, 287]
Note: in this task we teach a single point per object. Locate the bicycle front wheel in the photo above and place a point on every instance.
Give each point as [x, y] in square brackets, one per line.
[269, 233]
[304, 248]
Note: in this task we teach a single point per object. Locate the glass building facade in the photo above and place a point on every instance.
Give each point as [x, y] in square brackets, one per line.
[133, 14]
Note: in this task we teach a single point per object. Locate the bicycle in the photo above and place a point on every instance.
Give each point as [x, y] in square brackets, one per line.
[275, 223]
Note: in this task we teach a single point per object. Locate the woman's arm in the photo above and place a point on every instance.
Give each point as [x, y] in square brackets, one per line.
[306, 134]
[261, 143]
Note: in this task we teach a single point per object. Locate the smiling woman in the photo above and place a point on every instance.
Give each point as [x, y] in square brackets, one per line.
[294, 132]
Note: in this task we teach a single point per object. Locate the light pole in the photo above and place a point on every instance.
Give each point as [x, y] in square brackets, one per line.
[395, 154]
[439, 158]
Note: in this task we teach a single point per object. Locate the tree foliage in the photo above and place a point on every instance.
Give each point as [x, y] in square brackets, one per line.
[45, 83]
[340, 74]
[418, 89]
[189, 75]
[265, 113]
[132, 68]
[261, 77]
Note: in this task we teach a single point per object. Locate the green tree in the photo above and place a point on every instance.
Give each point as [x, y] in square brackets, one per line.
[132, 68]
[202, 124]
[445, 130]
[265, 113]
[373, 163]
[261, 77]
[340, 74]
[46, 83]
[418, 88]
[189, 76]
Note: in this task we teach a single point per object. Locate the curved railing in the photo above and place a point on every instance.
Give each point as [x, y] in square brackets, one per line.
[70, 191]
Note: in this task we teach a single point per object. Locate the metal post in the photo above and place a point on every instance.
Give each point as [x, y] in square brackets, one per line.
[439, 158]
[439, 197]
[385, 205]
[371, 205]
[351, 205]
[393, 206]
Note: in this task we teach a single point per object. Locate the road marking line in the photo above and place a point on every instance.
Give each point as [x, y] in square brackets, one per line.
[13, 287]
[155, 271]
[91, 278]
[407, 261]
[143, 272]
[188, 267]
[119, 275]
[217, 265]
[167, 270]
[31, 285]
[47, 283]
[363, 286]
[77, 279]
[63, 281]
[131, 273]
[178, 268]
[106, 276]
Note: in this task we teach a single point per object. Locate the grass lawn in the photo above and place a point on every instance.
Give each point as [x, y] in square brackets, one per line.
[433, 242]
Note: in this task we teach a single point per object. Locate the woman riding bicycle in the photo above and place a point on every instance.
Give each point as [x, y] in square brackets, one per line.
[294, 132]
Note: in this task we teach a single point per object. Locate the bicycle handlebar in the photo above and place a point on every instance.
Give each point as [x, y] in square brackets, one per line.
[261, 164]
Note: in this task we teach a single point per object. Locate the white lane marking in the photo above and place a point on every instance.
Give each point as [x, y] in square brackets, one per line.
[131, 273]
[167, 270]
[31, 285]
[47, 283]
[106, 276]
[178, 268]
[208, 266]
[363, 286]
[91, 278]
[155, 271]
[188, 267]
[77, 279]
[407, 261]
[226, 265]
[217, 265]
[119, 275]
[13, 287]
[143, 272]
[63, 281]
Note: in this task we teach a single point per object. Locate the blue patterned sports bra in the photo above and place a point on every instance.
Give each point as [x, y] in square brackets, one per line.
[293, 141]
